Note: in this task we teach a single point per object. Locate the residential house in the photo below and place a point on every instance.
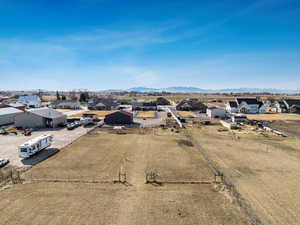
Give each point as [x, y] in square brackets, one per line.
[102, 104]
[191, 104]
[162, 101]
[248, 105]
[66, 104]
[32, 101]
[232, 107]
[40, 118]
[144, 106]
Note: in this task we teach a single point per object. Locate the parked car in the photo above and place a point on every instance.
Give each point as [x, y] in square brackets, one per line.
[77, 123]
[3, 162]
[86, 121]
[71, 126]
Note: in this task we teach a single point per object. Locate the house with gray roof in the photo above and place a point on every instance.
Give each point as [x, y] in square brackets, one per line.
[66, 104]
[40, 118]
[31, 101]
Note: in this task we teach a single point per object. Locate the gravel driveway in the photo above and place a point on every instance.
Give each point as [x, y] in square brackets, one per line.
[62, 137]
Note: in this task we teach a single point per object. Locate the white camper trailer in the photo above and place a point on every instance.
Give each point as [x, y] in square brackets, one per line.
[35, 145]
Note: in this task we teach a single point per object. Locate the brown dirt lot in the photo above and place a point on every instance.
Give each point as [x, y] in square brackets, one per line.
[265, 170]
[290, 127]
[99, 156]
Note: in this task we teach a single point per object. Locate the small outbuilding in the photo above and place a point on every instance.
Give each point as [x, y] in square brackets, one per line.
[216, 112]
[8, 115]
[40, 118]
[119, 117]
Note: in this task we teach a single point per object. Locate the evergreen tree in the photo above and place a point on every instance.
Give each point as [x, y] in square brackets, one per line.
[57, 96]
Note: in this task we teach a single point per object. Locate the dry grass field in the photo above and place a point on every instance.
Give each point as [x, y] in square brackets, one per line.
[264, 169]
[146, 114]
[186, 114]
[99, 156]
[271, 117]
[100, 113]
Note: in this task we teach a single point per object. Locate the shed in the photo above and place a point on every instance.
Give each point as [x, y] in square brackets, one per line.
[119, 117]
[216, 112]
[8, 115]
[40, 118]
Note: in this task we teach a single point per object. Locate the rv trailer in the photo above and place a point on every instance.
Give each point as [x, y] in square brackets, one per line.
[35, 145]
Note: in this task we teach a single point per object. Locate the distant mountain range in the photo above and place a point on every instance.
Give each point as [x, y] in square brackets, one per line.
[199, 90]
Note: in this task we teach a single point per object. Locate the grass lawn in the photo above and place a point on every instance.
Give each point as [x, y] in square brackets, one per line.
[186, 114]
[146, 114]
[278, 116]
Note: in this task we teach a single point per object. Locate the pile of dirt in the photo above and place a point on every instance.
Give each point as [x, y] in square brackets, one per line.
[183, 142]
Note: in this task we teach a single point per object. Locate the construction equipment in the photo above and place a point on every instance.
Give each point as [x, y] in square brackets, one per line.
[26, 132]
[8, 131]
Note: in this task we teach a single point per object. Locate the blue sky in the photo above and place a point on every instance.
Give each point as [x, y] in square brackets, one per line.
[105, 44]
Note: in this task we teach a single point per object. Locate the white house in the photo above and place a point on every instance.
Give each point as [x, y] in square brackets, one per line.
[32, 101]
[248, 105]
[232, 107]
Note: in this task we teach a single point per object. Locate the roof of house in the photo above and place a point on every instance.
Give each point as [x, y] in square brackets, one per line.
[66, 102]
[16, 104]
[122, 112]
[100, 104]
[9, 110]
[233, 104]
[249, 101]
[292, 102]
[31, 98]
[212, 107]
[47, 113]
[191, 103]
[105, 101]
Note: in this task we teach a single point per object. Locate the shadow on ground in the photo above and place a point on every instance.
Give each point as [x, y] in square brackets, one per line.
[40, 156]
